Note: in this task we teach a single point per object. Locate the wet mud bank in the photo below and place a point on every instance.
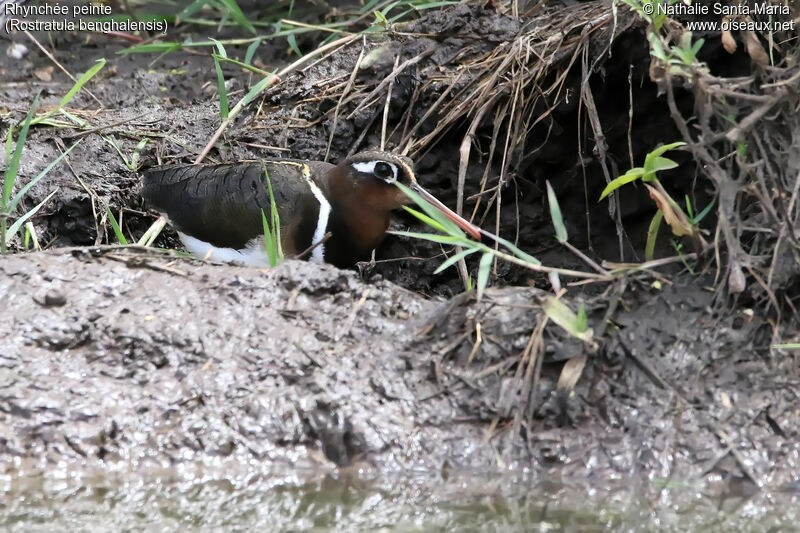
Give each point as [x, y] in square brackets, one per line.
[142, 363]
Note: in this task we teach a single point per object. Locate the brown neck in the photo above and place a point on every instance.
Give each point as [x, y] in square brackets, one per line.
[365, 224]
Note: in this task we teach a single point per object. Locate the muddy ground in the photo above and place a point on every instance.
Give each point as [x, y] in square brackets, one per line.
[140, 364]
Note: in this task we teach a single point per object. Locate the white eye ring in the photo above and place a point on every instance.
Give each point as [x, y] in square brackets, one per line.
[368, 167]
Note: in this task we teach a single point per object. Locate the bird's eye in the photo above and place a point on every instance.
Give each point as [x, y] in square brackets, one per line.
[384, 171]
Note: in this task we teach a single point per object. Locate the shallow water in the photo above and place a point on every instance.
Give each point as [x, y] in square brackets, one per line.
[345, 503]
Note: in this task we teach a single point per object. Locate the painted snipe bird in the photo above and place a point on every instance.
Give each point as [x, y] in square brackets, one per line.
[217, 209]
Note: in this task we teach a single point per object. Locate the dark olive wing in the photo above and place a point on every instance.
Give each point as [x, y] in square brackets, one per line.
[222, 204]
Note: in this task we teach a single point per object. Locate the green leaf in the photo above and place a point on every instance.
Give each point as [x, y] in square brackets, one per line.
[582, 321]
[657, 164]
[455, 259]
[13, 165]
[697, 46]
[115, 226]
[665, 148]
[655, 47]
[561, 314]
[555, 214]
[631, 175]
[484, 268]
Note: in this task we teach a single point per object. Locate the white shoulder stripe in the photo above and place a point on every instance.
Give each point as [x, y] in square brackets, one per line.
[318, 253]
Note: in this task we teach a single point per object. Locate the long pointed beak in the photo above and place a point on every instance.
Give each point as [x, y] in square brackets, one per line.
[472, 230]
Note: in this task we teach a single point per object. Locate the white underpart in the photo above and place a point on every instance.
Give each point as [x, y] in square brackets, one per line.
[318, 253]
[253, 254]
[368, 167]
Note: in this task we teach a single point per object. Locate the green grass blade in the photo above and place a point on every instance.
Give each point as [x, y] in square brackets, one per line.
[30, 236]
[24, 218]
[251, 51]
[152, 233]
[652, 235]
[115, 226]
[272, 228]
[244, 66]
[256, 90]
[115, 146]
[442, 239]
[134, 166]
[236, 14]
[23, 191]
[455, 259]
[370, 5]
[13, 163]
[223, 92]
[165, 47]
[449, 226]
[292, 40]
[191, 9]
[220, 48]
[426, 219]
[689, 210]
[221, 89]
[484, 268]
[81, 82]
[514, 250]
[269, 243]
[9, 143]
[555, 215]
[700, 216]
